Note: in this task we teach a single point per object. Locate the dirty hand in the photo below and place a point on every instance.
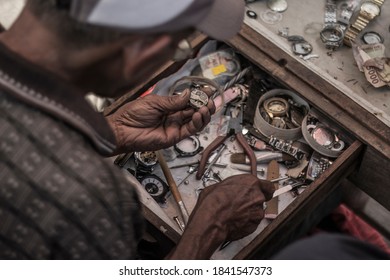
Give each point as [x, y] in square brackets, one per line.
[155, 122]
[226, 211]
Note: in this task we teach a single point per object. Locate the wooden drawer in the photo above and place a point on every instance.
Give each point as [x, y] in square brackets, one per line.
[294, 220]
[332, 83]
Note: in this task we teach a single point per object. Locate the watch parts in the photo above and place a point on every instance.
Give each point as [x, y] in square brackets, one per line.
[198, 98]
[188, 147]
[155, 186]
[276, 107]
[145, 161]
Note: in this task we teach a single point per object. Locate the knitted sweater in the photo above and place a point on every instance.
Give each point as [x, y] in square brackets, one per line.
[59, 198]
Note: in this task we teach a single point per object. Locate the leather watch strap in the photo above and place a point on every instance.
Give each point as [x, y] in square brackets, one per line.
[272, 206]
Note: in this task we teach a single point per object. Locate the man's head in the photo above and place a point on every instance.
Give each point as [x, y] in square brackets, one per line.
[129, 38]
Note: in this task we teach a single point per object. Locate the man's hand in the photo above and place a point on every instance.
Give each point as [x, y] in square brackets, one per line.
[226, 211]
[155, 122]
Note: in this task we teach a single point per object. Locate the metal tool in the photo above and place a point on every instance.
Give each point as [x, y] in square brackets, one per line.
[280, 179]
[236, 78]
[172, 185]
[190, 171]
[246, 168]
[234, 128]
[217, 156]
[179, 223]
[287, 188]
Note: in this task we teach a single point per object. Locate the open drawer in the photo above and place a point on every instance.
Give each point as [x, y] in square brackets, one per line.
[295, 217]
[294, 221]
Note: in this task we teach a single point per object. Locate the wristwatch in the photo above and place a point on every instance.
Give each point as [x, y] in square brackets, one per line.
[368, 11]
[332, 36]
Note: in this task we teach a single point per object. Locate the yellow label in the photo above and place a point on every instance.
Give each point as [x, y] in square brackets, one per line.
[219, 69]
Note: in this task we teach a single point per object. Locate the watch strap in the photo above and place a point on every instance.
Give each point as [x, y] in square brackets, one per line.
[378, 2]
[330, 12]
[272, 209]
[345, 16]
[333, 32]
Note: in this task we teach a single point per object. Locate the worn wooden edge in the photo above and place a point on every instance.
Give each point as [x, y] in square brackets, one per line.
[196, 41]
[359, 201]
[271, 239]
[159, 224]
[317, 91]
[375, 184]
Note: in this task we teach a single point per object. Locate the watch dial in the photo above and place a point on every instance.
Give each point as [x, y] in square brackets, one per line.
[323, 136]
[155, 187]
[276, 107]
[370, 8]
[372, 38]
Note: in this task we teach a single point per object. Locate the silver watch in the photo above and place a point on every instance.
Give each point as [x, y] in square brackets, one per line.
[332, 34]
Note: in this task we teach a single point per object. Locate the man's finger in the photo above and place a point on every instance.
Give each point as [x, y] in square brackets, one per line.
[175, 102]
[267, 188]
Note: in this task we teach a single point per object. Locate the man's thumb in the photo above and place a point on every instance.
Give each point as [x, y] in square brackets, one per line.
[177, 102]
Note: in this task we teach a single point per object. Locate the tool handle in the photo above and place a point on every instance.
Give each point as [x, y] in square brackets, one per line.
[172, 185]
[249, 152]
[206, 153]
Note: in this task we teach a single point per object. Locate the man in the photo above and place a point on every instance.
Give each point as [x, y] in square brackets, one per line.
[59, 198]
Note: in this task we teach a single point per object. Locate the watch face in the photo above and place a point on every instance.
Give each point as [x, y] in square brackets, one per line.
[371, 9]
[156, 187]
[323, 136]
[276, 106]
[372, 38]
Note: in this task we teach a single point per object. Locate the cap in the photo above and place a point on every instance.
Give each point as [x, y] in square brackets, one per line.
[220, 19]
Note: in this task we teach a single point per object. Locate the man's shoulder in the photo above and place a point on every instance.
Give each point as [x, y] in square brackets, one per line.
[50, 134]
[47, 162]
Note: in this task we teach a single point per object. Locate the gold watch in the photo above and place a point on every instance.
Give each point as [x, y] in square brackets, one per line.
[368, 11]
